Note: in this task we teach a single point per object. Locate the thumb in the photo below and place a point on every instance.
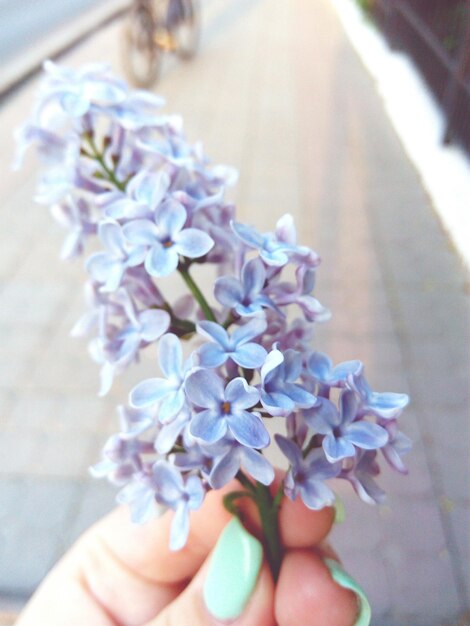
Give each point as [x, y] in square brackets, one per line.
[232, 585]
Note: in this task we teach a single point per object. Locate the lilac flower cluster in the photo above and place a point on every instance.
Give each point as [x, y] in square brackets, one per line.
[119, 170]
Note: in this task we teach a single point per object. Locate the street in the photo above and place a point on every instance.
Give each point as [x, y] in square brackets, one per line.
[29, 21]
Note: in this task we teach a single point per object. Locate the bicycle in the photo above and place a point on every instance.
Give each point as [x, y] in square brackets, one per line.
[155, 27]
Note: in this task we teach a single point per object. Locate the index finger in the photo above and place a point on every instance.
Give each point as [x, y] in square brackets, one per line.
[145, 549]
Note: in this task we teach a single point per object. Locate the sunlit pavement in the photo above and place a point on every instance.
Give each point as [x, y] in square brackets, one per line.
[277, 92]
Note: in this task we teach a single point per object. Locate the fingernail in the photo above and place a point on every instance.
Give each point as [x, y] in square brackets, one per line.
[233, 571]
[344, 580]
[340, 512]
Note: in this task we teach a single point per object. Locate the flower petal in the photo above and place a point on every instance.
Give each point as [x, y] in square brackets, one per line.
[224, 469]
[205, 389]
[149, 188]
[302, 398]
[257, 466]
[208, 425]
[228, 291]
[319, 365]
[349, 406]
[101, 265]
[247, 234]
[211, 355]
[273, 360]
[240, 394]
[248, 429]
[322, 417]
[193, 243]
[171, 405]
[250, 355]
[316, 494]
[170, 218]
[387, 405]
[214, 332]
[170, 356]
[366, 435]
[289, 449]
[247, 332]
[253, 277]
[170, 432]
[168, 482]
[276, 403]
[140, 232]
[149, 392]
[179, 527]
[154, 324]
[161, 261]
[337, 449]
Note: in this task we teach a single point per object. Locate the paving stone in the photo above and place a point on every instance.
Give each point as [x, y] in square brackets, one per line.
[362, 527]
[417, 582]
[36, 517]
[29, 303]
[413, 525]
[26, 557]
[98, 499]
[370, 572]
[454, 470]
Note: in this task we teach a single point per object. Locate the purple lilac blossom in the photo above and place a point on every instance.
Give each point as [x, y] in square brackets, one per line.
[166, 239]
[118, 168]
[306, 476]
[180, 495]
[342, 431]
[320, 366]
[225, 409]
[279, 393]
[274, 249]
[168, 392]
[236, 457]
[386, 405]
[108, 267]
[398, 445]
[361, 476]
[245, 295]
[144, 193]
[238, 346]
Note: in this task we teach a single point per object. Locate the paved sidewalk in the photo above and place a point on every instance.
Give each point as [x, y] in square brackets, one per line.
[278, 92]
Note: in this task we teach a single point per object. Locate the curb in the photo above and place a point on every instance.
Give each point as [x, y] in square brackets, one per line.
[56, 43]
[444, 170]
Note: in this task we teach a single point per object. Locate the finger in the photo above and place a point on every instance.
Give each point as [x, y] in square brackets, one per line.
[144, 549]
[52, 602]
[233, 585]
[307, 594]
[299, 527]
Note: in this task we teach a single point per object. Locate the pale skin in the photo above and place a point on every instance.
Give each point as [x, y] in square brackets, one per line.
[121, 574]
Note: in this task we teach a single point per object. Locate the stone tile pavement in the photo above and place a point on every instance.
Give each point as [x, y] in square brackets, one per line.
[278, 92]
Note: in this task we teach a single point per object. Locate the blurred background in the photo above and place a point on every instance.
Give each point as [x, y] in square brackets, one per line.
[295, 95]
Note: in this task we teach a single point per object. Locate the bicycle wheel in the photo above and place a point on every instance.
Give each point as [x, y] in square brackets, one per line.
[186, 28]
[142, 57]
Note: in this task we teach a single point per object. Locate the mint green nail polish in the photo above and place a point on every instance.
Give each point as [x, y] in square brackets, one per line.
[233, 571]
[344, 580]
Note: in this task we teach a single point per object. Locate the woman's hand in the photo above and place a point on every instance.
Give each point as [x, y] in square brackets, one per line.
[122, 574]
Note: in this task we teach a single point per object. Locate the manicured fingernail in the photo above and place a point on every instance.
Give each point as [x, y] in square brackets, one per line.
[340, 513]
[233, 571]
[344, 580]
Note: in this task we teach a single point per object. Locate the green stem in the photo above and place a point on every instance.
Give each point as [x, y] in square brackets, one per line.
[197, 293]
[181, 327]
[268, 508]
[99, 157]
